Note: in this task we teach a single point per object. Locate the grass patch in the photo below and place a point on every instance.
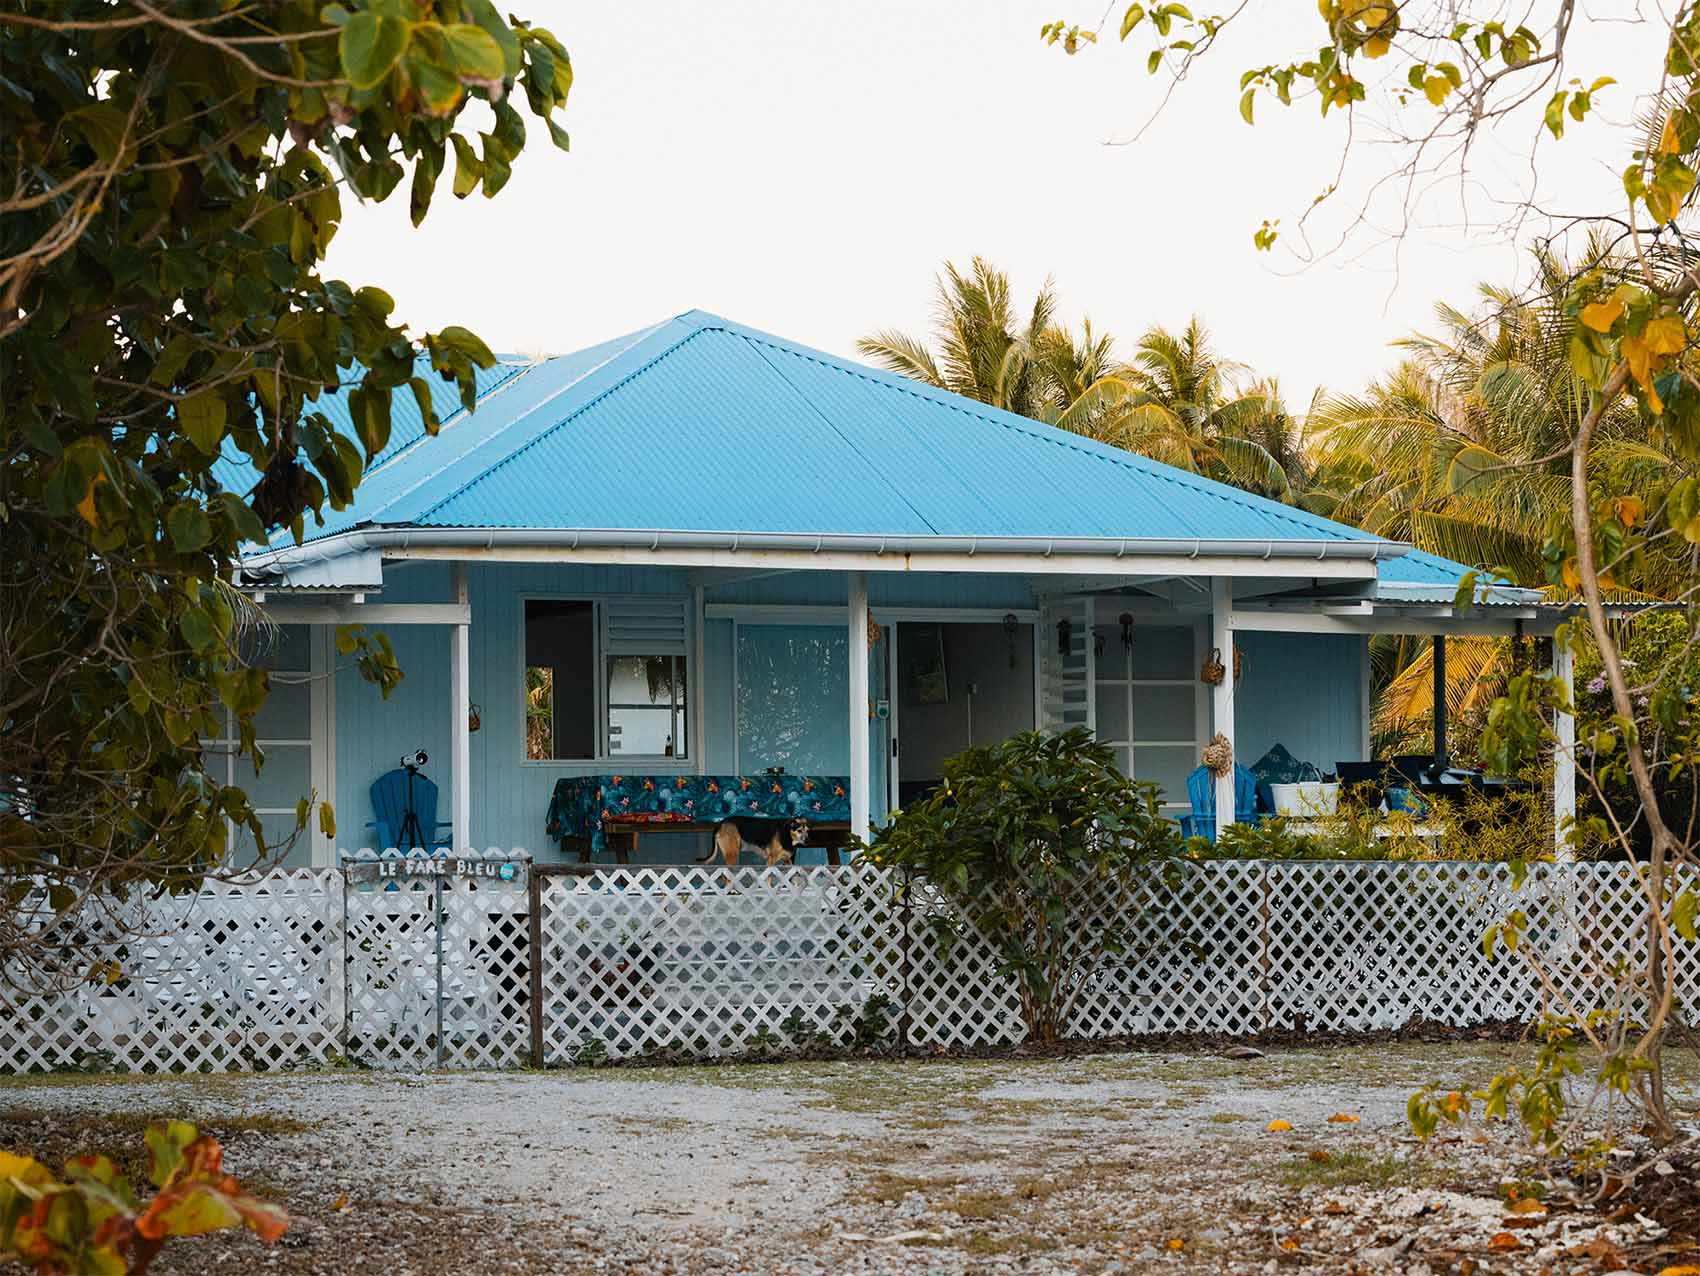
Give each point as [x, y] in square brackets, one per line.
[1226, 1118]
[125, 1125]
[886, 1188]
[986, 1245]
[1349, 1169]
[979, 1204]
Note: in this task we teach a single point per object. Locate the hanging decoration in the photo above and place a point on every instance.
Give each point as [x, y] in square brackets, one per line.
[874, 631]
[1126, 621]
[1239, 664]
[1064, 631]
[1010, 625]
[1218, 755]
[474, 719]
[1213, 670]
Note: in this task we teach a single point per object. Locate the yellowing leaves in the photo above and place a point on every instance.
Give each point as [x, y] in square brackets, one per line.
[85, 507]
[1601, 315]
[1278, 1126]
[1342, 1118]
[1504, 1242]
[1665, 335]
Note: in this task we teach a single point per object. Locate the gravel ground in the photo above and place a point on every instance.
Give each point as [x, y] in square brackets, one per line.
[1106, 1163]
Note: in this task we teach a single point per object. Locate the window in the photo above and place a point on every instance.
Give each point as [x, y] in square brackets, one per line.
[1147, 704]
[283, 731]
[605, 679]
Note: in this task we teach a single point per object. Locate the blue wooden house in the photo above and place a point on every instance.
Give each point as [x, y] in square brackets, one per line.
[698, 554]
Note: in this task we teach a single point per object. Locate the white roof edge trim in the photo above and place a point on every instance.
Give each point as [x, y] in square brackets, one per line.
[479, 539]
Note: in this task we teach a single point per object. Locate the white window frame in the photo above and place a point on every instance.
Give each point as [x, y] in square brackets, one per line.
[1127, 684]
[320, 744]
[686, 764]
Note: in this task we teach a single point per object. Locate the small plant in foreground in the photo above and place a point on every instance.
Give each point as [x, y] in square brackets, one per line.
[1015, 845]
[94, 1224]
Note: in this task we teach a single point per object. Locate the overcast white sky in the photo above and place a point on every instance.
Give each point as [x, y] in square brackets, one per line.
[805, 168]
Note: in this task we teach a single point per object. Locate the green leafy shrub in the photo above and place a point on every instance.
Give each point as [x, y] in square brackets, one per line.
[1020, 838]
[94, 1224]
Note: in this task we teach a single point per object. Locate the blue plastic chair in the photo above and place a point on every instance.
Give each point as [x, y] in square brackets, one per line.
[389, 804]
[1249, 794]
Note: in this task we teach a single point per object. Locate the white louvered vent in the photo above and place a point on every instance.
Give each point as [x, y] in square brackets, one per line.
[643, 627]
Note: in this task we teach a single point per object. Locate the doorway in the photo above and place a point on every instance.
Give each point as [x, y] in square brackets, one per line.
[955, 684]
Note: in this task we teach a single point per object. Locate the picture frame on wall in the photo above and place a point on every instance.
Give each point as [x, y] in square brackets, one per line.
[925, 676]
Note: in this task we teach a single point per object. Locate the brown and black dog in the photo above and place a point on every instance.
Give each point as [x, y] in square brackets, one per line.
[776, 839]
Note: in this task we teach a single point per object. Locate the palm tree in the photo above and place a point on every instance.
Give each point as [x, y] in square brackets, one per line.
[1463, 450]
[985, 351]
[1191, 408]
[1178, 401]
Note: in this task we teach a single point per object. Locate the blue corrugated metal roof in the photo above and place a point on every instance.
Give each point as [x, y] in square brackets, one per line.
[700, 424]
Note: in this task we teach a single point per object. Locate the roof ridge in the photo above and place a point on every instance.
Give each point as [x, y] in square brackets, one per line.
[1041, 432]
[836, 429]
[589, 403]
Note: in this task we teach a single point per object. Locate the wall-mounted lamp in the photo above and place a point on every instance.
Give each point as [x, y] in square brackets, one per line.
[1126, 619]
[1064, 631]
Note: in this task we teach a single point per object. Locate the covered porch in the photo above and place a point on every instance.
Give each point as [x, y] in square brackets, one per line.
[613, 711]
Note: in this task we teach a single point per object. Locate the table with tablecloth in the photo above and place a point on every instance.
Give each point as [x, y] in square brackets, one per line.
[583, 807]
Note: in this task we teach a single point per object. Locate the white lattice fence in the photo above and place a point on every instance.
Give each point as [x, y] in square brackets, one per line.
[394, 931]
[291, 968]
[707, 961]
[238, 975]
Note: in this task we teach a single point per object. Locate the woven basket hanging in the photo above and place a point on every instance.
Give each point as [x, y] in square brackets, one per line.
[874, 631]
[1213, 670]
[1218, 755]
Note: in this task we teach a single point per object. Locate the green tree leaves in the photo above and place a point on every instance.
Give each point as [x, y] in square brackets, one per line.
[166, 334]
[370, 45]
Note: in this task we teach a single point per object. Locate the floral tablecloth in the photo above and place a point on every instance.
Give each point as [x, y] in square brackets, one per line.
[581, 803]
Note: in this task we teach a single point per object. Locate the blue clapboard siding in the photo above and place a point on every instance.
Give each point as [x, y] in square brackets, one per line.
[1303, 690]
[510, 795]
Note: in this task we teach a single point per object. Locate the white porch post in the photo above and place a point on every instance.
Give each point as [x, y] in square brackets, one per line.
[1564, 751]
[460, 729]
[860, 797]
[1222, 696]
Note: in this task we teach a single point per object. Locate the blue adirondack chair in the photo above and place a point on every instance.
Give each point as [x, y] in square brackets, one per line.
[389, 804]
[1201, 789]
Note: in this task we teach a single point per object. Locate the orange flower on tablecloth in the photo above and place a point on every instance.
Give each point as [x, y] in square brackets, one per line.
[650, 785]
[776, 788]
[713, 787]
[744, 784]
[808, 786]
[618, 778]
[837, 790]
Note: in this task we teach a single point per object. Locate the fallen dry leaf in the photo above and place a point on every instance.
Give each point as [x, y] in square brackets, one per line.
[1687, 1269]
[1526, 1205]
[1501, 1242]
[1177, 1243]
[1291, 1243]
[1278, 1125]
[1320, 1157]
[340, 1205]
[1343, 1118]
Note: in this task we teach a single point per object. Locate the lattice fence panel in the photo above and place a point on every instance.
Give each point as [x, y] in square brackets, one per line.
[1193, 961]
[486, 974]
[238, 975]
[708, 961]
[391, 974]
